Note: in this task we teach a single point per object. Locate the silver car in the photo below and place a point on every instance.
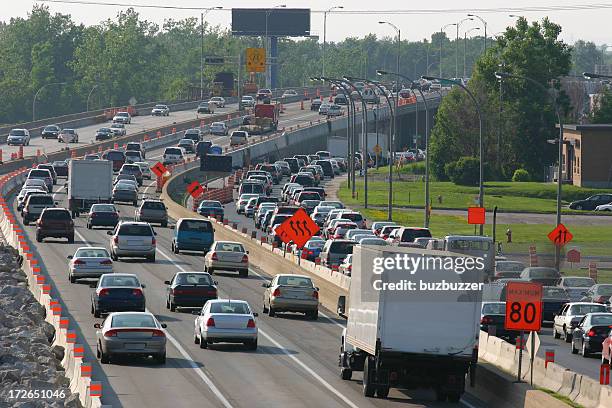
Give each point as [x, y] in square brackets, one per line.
[132, 239]
[219, 101]
[291, 293]
[89, 262]
[226, 321]
[130, 333]
[118, 129]
[18, 137]
[152, 211]
[228, 256]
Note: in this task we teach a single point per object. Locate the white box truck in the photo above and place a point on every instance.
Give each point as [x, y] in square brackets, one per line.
[90, 182]
[411, 335]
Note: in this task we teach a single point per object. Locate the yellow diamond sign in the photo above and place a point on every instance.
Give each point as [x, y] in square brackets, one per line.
[256, 59]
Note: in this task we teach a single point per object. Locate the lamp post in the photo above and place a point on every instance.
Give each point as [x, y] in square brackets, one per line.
[484, 23]
[396, 127]
[441, 41]
[465, 48]
[325, 34]
[506, 75]
[36, 96]
[89, 96]
[202, 15]
[266, 40]
[479, 111]
[457, 45]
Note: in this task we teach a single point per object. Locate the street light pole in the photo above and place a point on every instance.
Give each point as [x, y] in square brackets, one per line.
[202, 15]
[36, 96]
[465, 48]
[441, 41]
[505, 75]
[89, 96]
[457, 45]
[484, 23]
[325, 34]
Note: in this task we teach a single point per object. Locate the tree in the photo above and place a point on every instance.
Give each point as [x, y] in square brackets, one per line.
[603, 111]
[585, 56]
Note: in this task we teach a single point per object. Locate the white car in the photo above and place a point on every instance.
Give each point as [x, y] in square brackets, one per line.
[89, 262]
[248, 101]
[239, 137]
[68, 136]
[289, 93]
[118, 129]
[18, 137]
[570, 315]
[604, 207]
[324, 108]
[122, 117]
[243, 200]
[335, 110]
[219, 129]
[219, 101]
[173, 155]
[226, 321]
[160, 110]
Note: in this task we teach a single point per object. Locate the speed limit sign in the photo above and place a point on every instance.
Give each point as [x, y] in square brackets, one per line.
[523, 306]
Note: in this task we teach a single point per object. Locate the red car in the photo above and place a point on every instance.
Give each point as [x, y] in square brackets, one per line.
[116, 156]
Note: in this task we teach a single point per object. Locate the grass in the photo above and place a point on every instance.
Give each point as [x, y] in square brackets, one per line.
[560, 397]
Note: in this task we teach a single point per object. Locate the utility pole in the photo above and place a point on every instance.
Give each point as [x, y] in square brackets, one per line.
[202, 56]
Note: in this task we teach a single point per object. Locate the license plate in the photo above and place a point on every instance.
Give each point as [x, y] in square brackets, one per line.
[134, 346]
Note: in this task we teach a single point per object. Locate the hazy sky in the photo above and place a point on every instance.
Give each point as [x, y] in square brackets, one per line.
[590, 25]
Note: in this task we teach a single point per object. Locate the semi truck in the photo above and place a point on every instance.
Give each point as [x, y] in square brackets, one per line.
[265, 119]
[90, 182]
[406, 338]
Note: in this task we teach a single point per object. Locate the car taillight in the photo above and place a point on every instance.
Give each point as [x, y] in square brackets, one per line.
[210, 322]
[214, 256]
[94, 215]
[245, 259]
[600, 299]
[153, 241]
[158, 333]
[385, 236]
[137, 292]
[103, 292]
[486, 320]
[106, 262]
[111, 333]
[591, 333]
[78, 262]
[276, 292]
[251, 324]
[116, 240]
[315, 294]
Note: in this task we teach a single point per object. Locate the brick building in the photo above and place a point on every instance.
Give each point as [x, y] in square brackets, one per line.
[587, 155]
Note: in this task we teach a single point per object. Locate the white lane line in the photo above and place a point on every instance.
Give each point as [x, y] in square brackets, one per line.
[58, 190]
[467, 404]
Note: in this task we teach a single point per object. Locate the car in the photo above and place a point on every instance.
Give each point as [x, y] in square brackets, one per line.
[133, 156]
[369, 240]
[566, 319]
[192, 234]
[359, 231]
[239, 137]
[122, 117]
[131, 334]
[324, 108]
[189, 289]
[284, 167]
[358, 219]
[137, 146]
[591, 202]
[193, 134]
[40, 183]
[219, 101]
[144, 169]
[248, 101]
[116, 156]
[118, 129]
[50, 132]
[251, 187]
[346, 266]
[133, 170]
[243, 201]
[320, 213]
[92, 157]
[126, 177]
[104, 134]
[187, 144]
[25, 193]
[206, 107]
[576, 286]
[35, 205]
[541, 274]
[117, 292]
[211, 208]
[18, 137]
[152, 211]
[89, 262]
[328, 168]
[289, 93]
[42, 174]
[378, 225]
[590, 333]
[600, 293]
[125, 192]
[61, 168]
[341, 99]
[51, 170]
[160, 110]
[604, 207]
[291, 293]
[249, 208]
[553, 299]
[340, 230]
[606, 352]
[228, 256]
[68, 136]
[173, 155]
[219, 129]
[315, 104]
[102, 215]
[508, 269]
[335, 110]
[132, 239]
[55, 223]
[492, 321]
[334, 251]
[264, 94]
[225, 321]
[309, 205]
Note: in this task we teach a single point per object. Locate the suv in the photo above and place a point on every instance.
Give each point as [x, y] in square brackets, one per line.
[116, 156]
[122, 117]
[132, 239]
[152, 211]
[173, 155]
[193, 134]
[264, 94]
[334, 251]
[132, 169]
[18, 137]
[51, 170]
[42, 174]
[35, 205]
[138, 147]
[56, 223]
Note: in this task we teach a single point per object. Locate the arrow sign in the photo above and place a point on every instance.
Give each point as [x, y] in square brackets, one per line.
[195, 189]
[299, 228]
[560, 235]
[159, 169]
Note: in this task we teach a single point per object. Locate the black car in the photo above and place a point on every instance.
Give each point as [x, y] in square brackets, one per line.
[193, 134]
[590, 333]
[315, 104]
[50, 132]
[61, 168]
[293, 164]
[541, 274]
[553, 299]
[102, 215]
[492, 320]
[104, 134]
[591, 202]
[211, 208]
[117, 292]
[190, 289]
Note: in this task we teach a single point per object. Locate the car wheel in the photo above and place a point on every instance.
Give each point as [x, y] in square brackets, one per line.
[251, 345]
[271, 312]
[203, 342]
[71, 239]
[244, 273]
[114, 257]
[346, 373]
[264, 309]
[104, 357]
[383, 392]
[368, 388]
[135, 203]
[161, 358]
[167, 303]
[96, 312]
[313, 315]
[88, 226]
[556, 334]
[71, 278]
[574, 349]
[584, 351]
[172, 306]
[151, 258]
[196, 339]
[567, 336]
[579, 207]
[39, 238]
[164, 224]
[210, 270]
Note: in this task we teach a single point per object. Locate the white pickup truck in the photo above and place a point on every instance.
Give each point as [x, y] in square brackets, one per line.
[570, 315]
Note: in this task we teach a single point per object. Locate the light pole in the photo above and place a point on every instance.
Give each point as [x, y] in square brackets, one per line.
[266, 40]
[442, 41]
[202, 15]
[36, 96]
[396, 127]
[325, 34]
[89, 96]
[484, 23]
[506, 75]
[479, 111]
[465, 48]
[457, 45]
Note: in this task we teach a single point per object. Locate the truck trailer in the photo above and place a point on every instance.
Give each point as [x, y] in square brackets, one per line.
[265, 119]
[90, 182]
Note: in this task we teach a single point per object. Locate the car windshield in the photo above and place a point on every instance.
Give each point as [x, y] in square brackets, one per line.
[193, 279]
[103, 208]
[230, 308]
[196, 226]
[160, 106]
[135, 230]
[601, 319]
[295, 281]
[17, 132]
[554, 293]
[124, 114]
[104, 130]
[133, 320]
[605, 290]
[215, 204]
[584, 309]
[91, 253]
[56, 215]
[51, 128]
[229, 247]
[115, 156]
[543, 273]
[578, 282]
[342, 247]
[110, 281]
[494, 308]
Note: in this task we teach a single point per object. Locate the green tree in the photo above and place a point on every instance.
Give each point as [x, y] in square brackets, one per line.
[585, 56]
[603, 112]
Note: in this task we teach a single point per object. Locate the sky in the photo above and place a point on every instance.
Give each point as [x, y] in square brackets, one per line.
[589, 24]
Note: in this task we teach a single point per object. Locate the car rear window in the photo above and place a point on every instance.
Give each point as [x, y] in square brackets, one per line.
[295, 281]
[256, 188]
[229, 307]
[494, 308]
[578, 282]
[132, 168]
[543, 273]
[127, 320]
[135, 230]
[239, 133]
[56, 215]
[584, 309]
[133, 146]
[193, 279]
[409, 235]
[115, 156]
[605, 290]
[91, 253]
[115, 281]
[153, 205]
[41, 199]
[229, 247]
[554, 293]
[103, 208]
[196, 226]
[173, 150]
[601, 319]
[39, 173]
[215, 204]
[342, 247]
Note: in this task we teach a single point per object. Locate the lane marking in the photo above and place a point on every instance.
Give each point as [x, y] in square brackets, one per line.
[467, 404]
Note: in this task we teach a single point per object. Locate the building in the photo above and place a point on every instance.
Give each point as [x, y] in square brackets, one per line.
[587, 158]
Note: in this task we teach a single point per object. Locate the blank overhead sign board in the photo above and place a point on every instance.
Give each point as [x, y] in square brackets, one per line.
[281, 22]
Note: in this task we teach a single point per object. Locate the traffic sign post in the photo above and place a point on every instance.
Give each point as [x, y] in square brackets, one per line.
[256, 59]
[299, 228]
[533, 344]
[560, 235]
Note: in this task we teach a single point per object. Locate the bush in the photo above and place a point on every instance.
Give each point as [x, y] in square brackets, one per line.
[465, 171]
[521, 175]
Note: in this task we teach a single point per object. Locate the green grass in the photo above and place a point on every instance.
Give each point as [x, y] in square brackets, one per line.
[560, 397]
[507, 196]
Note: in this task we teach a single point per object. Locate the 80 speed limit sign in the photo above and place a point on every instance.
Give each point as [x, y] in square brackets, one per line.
[523, 306]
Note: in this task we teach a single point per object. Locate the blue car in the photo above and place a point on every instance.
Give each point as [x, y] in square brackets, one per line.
[211, 208]
[192, 234]
[312, 249]
[117, 292]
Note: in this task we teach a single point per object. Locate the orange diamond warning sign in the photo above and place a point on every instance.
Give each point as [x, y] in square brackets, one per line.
[299, 229]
